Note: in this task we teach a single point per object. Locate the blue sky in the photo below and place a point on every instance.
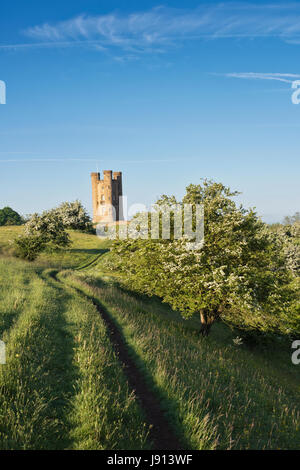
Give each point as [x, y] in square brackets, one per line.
[167, 92]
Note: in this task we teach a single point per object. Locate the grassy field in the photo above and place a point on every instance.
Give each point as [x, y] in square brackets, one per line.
[216, 395]
[84, 248]
[63, 386]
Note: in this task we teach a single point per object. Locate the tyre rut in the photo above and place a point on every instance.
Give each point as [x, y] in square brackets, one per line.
[161, 433]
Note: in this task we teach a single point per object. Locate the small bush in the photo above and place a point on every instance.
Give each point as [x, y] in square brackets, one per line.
[29, 246]
[49, 226]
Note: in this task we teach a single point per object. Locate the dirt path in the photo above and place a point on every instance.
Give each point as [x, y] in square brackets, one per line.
[161, 433]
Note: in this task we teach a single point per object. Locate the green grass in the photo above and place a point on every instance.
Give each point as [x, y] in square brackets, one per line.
[62, 386]
[7, 235]
[84, 249]
[217, 395]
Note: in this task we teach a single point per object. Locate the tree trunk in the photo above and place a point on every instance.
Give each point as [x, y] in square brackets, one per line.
[207, 319]
[206, 323]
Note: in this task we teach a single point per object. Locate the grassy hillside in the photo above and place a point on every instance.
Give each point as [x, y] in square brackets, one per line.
[216, 395]
[84, 249]
[64, 386]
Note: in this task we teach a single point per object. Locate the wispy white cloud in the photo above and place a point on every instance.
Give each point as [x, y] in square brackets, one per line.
[87, 159]
[52, 44]
[162, 27]
[280, 77]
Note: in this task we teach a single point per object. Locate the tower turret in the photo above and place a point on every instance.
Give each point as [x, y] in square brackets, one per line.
[106, 194]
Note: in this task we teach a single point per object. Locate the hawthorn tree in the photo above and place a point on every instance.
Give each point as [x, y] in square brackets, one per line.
[290, 236]
[49, 226]
[41, 232]
[48, 230]
[237, 275]
[74, 216]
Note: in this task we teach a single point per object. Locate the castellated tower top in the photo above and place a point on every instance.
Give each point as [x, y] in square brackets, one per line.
[106, 193]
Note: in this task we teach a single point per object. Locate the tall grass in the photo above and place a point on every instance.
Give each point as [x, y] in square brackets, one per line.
[62, 386]
[216, 395]
[104, 414]
[12, 297]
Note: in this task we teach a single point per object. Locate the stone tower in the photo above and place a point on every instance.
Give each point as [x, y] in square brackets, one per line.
[106, 193]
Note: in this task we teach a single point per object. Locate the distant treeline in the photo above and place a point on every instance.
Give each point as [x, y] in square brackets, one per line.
[10, 217]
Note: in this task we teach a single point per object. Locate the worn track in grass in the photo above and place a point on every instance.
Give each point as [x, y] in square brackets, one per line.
[90, 263]
[161, 433]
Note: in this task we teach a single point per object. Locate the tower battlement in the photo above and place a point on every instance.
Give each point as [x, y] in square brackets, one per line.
[106, 193]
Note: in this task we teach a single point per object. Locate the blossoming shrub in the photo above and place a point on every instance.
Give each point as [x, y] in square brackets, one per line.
[240, 274]
[74, 216]
[40, 232]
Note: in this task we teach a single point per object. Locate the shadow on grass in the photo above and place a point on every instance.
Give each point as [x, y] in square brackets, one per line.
[253, 340]
[154, 305]
[89, 251]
